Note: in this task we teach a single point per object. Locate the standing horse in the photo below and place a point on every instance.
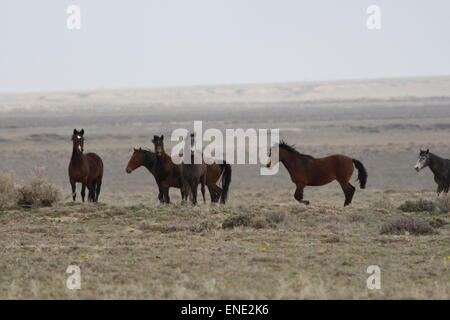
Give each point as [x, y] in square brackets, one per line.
[194, 173]
[86, 169]
[305, 170]
[166, 173]
[439, 166]
[147, 159]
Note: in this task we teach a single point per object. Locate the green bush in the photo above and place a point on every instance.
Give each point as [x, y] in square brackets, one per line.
[236, 221]
[418, 206]
[411, 225]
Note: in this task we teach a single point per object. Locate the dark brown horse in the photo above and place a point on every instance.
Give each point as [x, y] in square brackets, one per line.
[167, 173]
[305, 170]
[193, 173]
[86, 169]
[147, 159]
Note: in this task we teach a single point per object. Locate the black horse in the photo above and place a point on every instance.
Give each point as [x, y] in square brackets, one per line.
[439, 166]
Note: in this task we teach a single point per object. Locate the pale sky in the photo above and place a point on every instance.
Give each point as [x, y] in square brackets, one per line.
[156, 43]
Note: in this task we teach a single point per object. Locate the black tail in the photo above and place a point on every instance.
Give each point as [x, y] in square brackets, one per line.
[226, 180]
[362, 173]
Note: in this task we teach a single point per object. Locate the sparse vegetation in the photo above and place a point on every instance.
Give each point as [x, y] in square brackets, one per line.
[38, 192]
[420, 205]
[236, 221]
[402, 225]
[443, 204]
[8, 189]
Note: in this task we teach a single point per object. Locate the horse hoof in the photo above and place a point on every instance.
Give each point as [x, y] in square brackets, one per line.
[306, 202]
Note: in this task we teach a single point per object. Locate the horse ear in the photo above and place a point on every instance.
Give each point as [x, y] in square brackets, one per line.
[82, 131]
[75, 131]
[140, 149]
[162, 137]
[428, 151]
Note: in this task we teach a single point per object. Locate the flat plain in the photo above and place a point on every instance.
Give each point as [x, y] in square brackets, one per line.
[262, 243]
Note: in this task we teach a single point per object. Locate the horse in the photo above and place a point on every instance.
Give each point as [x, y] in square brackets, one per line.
[147, 158]
[194, 173]
[86, 169]
[439, 166]
[306, 170]
[166, 173]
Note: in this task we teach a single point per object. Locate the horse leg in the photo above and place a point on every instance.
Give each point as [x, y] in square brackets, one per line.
[166, 195]
[299, 194]
[74, 192]
[214, 192]
[98, 188]
[349, 191]
[91, 188]
[203, 182]
[83, 190]
[194, 186]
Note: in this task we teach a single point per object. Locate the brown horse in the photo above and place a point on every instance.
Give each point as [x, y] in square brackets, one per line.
[193, 173]
[167, 173]
[215, 170]
[305, 170]
[86, 169]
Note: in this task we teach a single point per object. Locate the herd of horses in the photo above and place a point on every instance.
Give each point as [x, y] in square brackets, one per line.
[303, 169]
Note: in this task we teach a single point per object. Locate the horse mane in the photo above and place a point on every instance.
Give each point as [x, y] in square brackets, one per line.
[290, 148]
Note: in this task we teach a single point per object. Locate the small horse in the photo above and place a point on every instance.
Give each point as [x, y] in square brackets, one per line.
[85, 168]
[306, 170]
[194, 173]
[166, 173]
[439, 166]
[147, 159]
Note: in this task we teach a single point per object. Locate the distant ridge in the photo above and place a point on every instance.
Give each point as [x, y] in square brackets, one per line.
[390, 88]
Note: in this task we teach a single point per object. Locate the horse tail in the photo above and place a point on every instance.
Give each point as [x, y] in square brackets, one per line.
[226, 180]
[362, 173]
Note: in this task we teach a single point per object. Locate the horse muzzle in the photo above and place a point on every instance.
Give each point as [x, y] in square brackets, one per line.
[128, 170]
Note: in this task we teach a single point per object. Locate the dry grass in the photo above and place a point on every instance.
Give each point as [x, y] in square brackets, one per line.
[408, 225]
[150, 251]
[38, 192]
[8, 188]
[443, 204]
[420, 205]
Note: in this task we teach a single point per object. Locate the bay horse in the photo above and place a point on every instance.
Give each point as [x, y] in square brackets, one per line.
[146, 158]
[439, 166]
[166, 173]
[86, 169]
[306, 170]
[193, 173]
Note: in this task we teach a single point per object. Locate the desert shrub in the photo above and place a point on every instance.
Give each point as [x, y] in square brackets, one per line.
[437, 223]
[8, 188]
[38, 192]
[275, 217]
[443, 204]
[384, 204]
[402, 225]
[236, 221]
[203, 226]
[260, 223]
[418, 206]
